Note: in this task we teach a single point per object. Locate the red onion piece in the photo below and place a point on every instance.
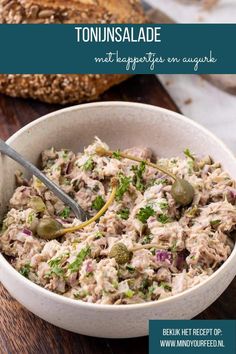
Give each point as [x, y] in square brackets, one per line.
[163, 256]
[27, 232]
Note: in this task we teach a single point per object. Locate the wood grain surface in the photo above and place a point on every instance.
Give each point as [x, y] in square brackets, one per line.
[22, 332]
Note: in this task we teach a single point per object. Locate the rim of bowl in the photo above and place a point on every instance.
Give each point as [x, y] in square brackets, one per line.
[74, 302]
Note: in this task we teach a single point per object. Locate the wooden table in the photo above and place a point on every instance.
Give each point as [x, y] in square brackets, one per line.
[21, 331]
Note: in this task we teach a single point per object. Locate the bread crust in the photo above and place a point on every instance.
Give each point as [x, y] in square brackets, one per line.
[73, 11]
[64, 89]
[58, 89]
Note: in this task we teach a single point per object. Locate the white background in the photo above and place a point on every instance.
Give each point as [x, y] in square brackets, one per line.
[198, 99]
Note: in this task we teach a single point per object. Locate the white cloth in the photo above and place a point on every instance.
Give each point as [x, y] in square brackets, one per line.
[192, 11]
[195, 97]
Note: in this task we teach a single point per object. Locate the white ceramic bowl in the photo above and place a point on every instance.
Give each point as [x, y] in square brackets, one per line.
[121, 125]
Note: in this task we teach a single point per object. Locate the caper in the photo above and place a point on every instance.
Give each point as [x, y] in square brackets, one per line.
[37, 204]
[47, 228]
[120, 252]
[182, 192]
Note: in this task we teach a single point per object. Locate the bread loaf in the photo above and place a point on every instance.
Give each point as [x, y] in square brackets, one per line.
[71, 11]
[61, 89]
[65, 89]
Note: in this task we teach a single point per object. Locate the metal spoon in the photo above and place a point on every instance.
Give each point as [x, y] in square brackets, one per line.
[75, 207]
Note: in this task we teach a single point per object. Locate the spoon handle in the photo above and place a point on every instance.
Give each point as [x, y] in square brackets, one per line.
[75, 207]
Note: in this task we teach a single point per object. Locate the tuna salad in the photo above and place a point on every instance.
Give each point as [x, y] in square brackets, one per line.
[156, 226]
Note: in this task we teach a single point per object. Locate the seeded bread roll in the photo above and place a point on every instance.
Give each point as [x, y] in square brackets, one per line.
[73, 11]
[65, 89]
[61, 89]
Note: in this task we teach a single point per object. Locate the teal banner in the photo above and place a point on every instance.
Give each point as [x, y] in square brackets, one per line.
[131, 49]
[193, 336]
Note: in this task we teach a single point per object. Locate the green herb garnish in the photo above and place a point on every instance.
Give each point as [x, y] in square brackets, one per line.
[123, 186]
[188, 154]
[138, 176]
[162, 181]
[98, 235]
[66, 181]
[130, 268]
[55, 267]
[80, 294]
[163, 205]
[129, 293]
[147, 239]
[89, 164]
[123, 214]
[75, 266]
[116, 154]
[215, 223]
[115, 284]
[55, 261]
[163, 219]
[165, 286]
[173, 248]
[145, 213]
[144, 285]
[151, 289]
[64, 214]
[98, 203]
[25, 270]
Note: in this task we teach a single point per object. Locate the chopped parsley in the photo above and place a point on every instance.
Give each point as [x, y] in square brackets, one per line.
[55, 261]
[99, 235]
[66, 181]
[144, 285]
[80, 294]
[162, 181]
[151, 289]
[129, 293]
[215, 223]
[64, 214]
[147, 239]
[188, 154]
[123, 186]
[145, 213]
[75, 266]
[138, 176]
[153, 251]
[165, 286]
[163, 205]
[55, 267]
[116, 155]
[130, 268]
[115, 284]
[25, 270]
[89, 164]
[98, 203]
[123, 214]
[163, 219]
